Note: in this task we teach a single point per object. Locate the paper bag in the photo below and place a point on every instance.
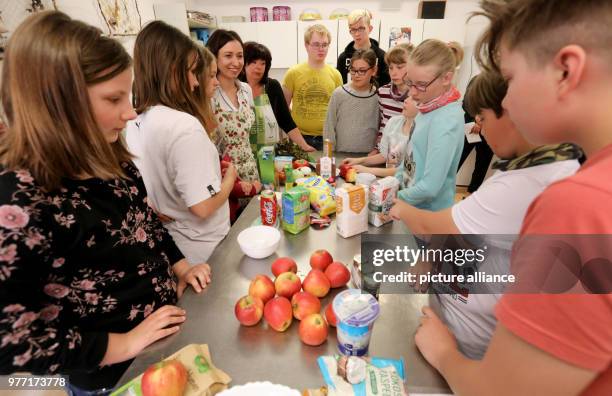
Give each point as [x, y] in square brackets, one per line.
[204, 378]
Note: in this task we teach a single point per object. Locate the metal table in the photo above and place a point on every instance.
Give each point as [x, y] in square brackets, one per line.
[259, 353]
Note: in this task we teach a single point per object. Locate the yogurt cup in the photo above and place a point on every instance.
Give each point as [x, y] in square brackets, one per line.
[356, 313]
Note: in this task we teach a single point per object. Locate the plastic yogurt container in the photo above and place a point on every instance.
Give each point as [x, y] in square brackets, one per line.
[356, 313]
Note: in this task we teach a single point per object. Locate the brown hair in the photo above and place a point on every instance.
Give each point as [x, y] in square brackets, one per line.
[541, 28]
[486, 91]
[210, 124]
[51, 59]
[447, 56]
[163, 56]
[219, 38]
[399, 54]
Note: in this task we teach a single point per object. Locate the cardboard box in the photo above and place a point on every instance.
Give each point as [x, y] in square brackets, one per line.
[296, 210]
[382, 193]
[351, 210]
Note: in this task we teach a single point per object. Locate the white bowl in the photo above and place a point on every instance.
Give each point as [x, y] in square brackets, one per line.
[259, 241]
[260, 389]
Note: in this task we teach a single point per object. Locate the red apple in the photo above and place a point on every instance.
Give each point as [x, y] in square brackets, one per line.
[320, 259]
[261, 286]
[298, 163]
[313, 330]
[287, 284]
[278, 313]
[330, 315]
[304, 304]
[338, 274]
[166, 378]
[248, 310]
[284, 264]
[316, 283]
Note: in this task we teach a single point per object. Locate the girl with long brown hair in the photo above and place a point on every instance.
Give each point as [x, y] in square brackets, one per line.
[178, 161]
[88, 275]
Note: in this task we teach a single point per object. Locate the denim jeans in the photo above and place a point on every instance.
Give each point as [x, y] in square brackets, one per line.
[314, 141]
[75, 391]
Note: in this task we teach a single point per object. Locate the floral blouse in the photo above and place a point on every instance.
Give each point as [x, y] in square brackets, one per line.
[76, 264]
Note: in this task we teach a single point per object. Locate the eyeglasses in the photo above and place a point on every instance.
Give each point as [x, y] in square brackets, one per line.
[357, 30]
[359, 72]
[319, 45]
[422, 87]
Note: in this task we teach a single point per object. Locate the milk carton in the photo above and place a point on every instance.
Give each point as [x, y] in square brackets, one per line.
[296, 210]
[351, 210]
[382, 193]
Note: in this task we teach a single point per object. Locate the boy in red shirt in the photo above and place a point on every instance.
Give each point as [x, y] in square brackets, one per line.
[557, 58]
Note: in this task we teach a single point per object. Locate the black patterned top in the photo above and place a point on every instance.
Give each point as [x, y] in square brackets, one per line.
[75, 264]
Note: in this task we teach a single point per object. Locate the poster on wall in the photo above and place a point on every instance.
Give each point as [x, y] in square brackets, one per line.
[122, 17]
[399, 35]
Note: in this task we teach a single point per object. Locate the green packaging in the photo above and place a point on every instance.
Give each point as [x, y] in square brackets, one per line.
[296, 210]
[265, 161]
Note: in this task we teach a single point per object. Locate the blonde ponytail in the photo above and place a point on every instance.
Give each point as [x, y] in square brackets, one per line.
[447, 57]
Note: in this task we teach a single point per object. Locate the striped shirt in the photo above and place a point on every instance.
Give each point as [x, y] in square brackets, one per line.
[390, 103]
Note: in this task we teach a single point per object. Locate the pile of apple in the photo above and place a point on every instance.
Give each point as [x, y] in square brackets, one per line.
[281, 301]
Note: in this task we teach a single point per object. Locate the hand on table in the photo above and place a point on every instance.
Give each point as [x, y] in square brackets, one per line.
[198, 276]
[433, 338]
[420, 268]
[308, 148]
[373, 152]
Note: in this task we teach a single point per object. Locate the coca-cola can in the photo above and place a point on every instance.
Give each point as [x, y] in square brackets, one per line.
[268, 207]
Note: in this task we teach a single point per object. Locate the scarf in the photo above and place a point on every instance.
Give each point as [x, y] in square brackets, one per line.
[541, 156]
[452, 95]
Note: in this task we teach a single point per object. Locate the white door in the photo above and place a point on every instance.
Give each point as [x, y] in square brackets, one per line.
[445, 29]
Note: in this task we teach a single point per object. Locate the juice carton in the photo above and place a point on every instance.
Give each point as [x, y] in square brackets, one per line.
[280, 162]
[351, 210]
[382, 193]
[296, 209]
[265, 161]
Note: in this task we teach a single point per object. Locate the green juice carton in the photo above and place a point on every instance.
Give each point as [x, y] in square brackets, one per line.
[265, 161]
[295, 210]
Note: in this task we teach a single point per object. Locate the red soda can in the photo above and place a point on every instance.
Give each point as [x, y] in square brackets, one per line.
[268, 207]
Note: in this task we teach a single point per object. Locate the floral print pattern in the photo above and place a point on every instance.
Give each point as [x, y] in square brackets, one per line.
[87, 259]
[233, 134]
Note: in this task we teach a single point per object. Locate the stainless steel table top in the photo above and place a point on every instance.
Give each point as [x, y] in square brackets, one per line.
[261, 354]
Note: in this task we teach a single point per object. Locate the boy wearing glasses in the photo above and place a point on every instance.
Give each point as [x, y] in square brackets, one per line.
[309, 86]
[360, 28]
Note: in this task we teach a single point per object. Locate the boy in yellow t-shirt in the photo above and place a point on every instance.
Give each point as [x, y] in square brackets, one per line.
[309, 86]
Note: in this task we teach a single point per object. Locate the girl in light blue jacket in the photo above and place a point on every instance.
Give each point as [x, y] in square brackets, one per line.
[428, 173]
